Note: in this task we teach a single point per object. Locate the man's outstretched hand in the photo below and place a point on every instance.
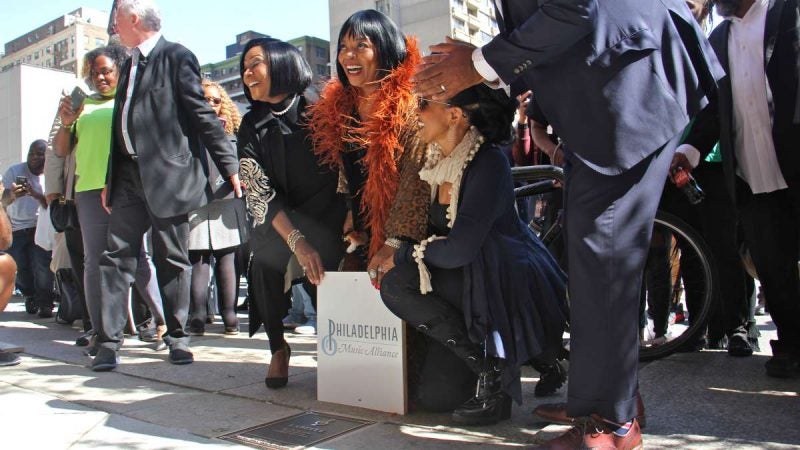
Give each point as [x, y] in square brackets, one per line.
[447, 71]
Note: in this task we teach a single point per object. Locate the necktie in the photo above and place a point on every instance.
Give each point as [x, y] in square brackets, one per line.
[128, 97]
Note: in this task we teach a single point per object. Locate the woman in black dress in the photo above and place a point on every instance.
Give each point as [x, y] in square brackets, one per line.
[297, 213]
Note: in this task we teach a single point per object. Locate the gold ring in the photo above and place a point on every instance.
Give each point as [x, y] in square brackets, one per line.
[372, 273]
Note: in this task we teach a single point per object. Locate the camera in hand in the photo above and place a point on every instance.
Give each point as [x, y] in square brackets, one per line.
[21, 181]
[688, 185]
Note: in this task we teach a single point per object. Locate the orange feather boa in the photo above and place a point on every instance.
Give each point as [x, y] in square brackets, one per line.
[332, 125]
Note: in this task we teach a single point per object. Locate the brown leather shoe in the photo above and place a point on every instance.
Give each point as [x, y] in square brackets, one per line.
[557, 413]
[594, 433]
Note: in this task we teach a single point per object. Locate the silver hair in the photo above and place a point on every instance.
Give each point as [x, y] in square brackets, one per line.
[147, 10]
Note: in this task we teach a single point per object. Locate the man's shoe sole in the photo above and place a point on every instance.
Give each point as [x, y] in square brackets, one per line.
[103, 367]
[181, 362]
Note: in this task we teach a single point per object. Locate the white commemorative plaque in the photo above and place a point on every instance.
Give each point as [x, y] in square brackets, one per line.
[361, 349]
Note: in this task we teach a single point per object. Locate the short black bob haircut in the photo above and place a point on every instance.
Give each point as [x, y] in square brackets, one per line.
[389, 42]
[289, 72]
[491, 111]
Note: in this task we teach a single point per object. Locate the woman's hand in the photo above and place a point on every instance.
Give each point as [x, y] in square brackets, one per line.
[65, 112]
[382, 262]
[310, 261]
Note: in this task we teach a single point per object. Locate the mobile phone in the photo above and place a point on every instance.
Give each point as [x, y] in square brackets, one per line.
[21, 181]
[78, 96]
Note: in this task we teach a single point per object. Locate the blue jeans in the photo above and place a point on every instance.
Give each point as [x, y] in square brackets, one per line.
[34, 278]
[301, 305]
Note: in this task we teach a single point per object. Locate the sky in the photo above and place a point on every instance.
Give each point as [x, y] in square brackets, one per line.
[204, 26]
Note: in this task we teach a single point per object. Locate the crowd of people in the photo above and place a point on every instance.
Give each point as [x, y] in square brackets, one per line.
[400, 166]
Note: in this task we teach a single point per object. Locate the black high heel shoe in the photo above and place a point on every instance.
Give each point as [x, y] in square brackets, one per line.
[281, 356]
[489, 405]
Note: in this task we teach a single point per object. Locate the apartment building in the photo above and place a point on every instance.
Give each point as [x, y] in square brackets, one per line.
[60, 43]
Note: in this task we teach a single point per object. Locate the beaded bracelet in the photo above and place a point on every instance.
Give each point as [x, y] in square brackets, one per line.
[292, 238]
[393, 242]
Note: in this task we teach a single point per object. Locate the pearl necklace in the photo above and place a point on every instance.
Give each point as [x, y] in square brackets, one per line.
[285, 110]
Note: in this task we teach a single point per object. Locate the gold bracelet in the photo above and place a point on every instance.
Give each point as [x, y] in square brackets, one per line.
[392, 242]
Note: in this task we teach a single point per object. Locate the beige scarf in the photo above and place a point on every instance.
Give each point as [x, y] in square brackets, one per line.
[440, 169]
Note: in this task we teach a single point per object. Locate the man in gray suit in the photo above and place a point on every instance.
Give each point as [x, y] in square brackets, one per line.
[618, 80]
[157, 174]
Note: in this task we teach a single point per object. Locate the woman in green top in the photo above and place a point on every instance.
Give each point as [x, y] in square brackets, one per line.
[87, 133]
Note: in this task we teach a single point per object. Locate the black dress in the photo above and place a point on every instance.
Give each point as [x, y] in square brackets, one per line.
[305, 191]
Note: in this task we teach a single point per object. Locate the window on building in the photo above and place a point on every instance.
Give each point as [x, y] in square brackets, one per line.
[322, 69]
[322, 52]
[99, 42]
[72, 53]
[459, 23]
[485, 37]
[383, 6]
[459, 3]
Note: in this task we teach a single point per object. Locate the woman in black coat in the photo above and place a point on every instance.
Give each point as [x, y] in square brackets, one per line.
[297, 213]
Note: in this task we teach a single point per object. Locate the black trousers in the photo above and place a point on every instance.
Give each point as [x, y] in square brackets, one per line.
[438, 377]
[609, 221]
[771, 224]
[130, 218]
[74, 242]
[717, 220]
[400, 293]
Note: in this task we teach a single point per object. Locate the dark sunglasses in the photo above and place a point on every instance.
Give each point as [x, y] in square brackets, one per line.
[423, 103]
[214, 100]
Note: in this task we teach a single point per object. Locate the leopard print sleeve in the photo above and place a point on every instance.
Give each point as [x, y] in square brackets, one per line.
[408, 217]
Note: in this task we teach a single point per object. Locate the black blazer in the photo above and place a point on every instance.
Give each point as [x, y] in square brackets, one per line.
[304, 189]
[168, 119]
[616, 79]
[782, 64]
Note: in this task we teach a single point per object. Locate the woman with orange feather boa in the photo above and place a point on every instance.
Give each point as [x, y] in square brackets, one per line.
[365, 125]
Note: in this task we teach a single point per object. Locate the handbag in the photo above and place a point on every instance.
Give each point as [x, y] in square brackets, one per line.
[63, 213]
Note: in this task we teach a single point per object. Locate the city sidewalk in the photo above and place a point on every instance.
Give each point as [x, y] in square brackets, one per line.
[703, 400]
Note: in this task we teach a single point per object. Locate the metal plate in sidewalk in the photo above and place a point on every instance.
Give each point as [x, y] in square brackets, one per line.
[299, 431]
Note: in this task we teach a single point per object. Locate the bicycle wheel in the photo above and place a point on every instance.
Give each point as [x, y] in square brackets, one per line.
[679, 284]
[688, 287]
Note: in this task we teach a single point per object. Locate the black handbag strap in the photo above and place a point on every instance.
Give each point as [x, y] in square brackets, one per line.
[69, 175]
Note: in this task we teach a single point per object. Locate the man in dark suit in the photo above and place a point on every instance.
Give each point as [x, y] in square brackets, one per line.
[759, 133]
[618, 80]
[158, 173]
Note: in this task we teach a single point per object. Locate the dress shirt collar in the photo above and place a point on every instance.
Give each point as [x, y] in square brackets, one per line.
[149, 44]
[749, 15]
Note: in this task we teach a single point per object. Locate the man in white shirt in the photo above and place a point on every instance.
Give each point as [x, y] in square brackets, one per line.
[22, 197]
[757, 121]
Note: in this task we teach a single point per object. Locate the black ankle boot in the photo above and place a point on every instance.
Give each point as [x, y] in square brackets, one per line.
[489, 405]
[552, 377]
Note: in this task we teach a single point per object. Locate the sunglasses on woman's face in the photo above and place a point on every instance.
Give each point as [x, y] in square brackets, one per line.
[423, 103]
[214, 100]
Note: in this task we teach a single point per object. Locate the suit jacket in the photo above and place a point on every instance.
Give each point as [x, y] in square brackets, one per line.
[782, 65]
[168, 119]
[617, 79]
